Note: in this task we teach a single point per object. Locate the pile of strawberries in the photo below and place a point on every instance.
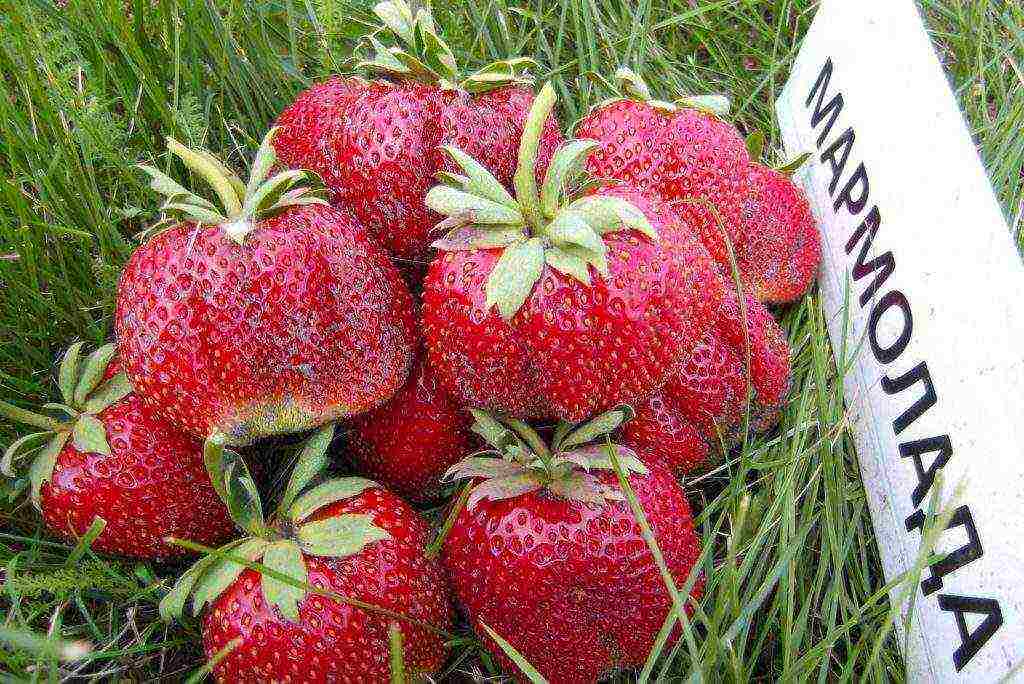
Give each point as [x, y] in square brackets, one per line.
[562, 327]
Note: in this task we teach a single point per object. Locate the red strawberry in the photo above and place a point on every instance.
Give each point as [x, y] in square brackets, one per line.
[782, 248]
[376, 143]
[409, 442]
[702, 405]
[360, 546]
[595, 299]
[110, 456]
[680, 152]
[548, 555]
[275, 316]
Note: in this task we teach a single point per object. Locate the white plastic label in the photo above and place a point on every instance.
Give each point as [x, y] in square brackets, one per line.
[913, 235]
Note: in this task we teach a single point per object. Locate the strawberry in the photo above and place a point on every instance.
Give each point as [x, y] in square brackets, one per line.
[681, 152]
[409, 442]
[782, 249]
[341, 564]
[701, 408]
[548, 557]
[274, 314]
[107, 455]
[376, 143]
[541, 305]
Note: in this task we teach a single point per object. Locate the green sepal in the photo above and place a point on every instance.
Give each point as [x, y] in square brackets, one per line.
[42, 466]
[339, 536]
[568, 264]
[92, 373]
[191, 212]
[90, 435]
[525, 180]
[492, 430]
[284, 556]
[213, 172]
[478, 180]
[436, 53]
[595, 456]
[383, 60]
[512, 279]
[397, 16]
[110, 392]
[224, 571]
[601, 425]
[327, 493]
[597, 260]
[578, 486]
[172, 605]
[67, 377]
[501, 488]
[606, 213]
[471, 237]
[20, 448]
[233, 483]
[718, 105]
[498, 74]
[566, 164]
[163, 184]
[631, 84]
[483, 467]
[263, 162]
[311, 461]
[569, 227]
[755, 145]
[452, 202]
[792, 166]
[270, 190]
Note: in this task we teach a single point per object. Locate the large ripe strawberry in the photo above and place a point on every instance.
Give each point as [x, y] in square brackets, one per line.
[103, 453]
[342, 561]
[701, 408]
[541, 305]
[376, 143]
[409, 442]
[274, 313]
[782, 246]
[548, 556]
[681, 152]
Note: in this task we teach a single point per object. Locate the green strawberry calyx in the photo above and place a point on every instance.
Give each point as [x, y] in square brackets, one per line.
[518, 461]
[547, 226]
[241, 204]
[282, 543]
[755, 149]
[424, 56]
[630, 85]
[85, 395]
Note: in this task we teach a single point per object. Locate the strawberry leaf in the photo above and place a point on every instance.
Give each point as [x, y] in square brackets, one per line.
[478, 180]
[566, 164]
[90, 435]
[110, 392]
[311, 461]
[42, 466]
[568, 264]
[500, 488]
[223, 572]
[601, 425]
[92, 374]
[606, 214]
[68, 375]
[514, 275]
[484, 467]
[327, 493]
[340, 535]
[285, 557]
[450, 202]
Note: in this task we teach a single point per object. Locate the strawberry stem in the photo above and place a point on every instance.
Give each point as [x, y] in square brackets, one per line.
[27, 417]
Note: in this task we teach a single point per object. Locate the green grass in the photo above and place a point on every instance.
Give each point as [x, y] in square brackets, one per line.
[794, 590]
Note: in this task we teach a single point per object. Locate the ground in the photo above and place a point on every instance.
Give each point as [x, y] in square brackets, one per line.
[91, 87]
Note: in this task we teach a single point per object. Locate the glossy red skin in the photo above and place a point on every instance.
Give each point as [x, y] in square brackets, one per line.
[151, 486]
[700, 409]
[333, 641]
[573, 350]
[408, 443]
[306, 322]
[377, 146]
[687, 157]
[572, 586]
[782, 250]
